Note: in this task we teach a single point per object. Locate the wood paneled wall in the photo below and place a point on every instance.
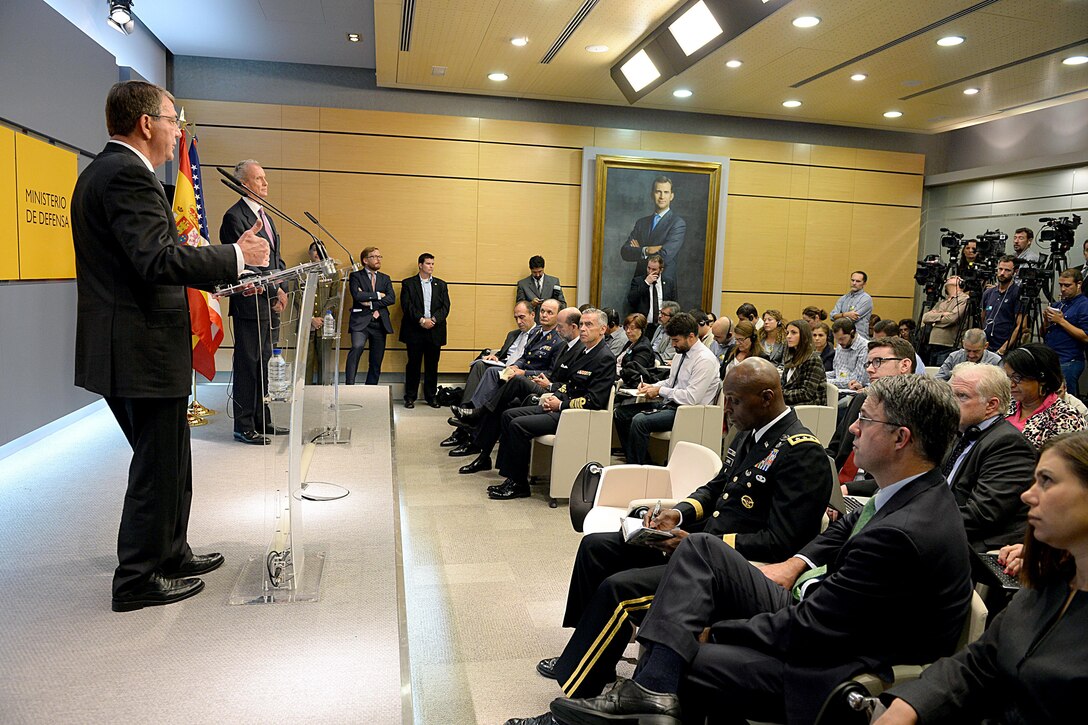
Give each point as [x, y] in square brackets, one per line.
[484, 195]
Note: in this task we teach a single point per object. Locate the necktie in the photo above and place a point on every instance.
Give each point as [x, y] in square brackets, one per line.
[540, 287]
[373, 288]
[267, 227]
[968, 437]
[867, 512]
[653, 224]
[654, 302]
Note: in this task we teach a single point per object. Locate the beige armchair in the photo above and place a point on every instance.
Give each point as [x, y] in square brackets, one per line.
[701, 424]
[582, 436]
[820, 419]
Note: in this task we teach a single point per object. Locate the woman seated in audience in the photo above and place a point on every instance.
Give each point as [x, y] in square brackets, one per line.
[814, 315]
[636, 356]
[821, 334]
[1031, 663]
[804, 381]
[747, 346]
[773, 337]
[1037, 411]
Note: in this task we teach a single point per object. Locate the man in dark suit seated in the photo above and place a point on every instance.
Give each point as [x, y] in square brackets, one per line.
[485, 429]
[662, 234]
[538, 287]
[889, 584]
[766, 502]
[133, 339]
[991, 463]
[649, 294]
[371, 295]
[425, 300]
[589, 387]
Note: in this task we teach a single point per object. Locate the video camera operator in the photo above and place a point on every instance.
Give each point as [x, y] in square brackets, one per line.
[1000, 319]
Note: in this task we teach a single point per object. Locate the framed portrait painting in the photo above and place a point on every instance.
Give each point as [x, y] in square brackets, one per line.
[654, 219]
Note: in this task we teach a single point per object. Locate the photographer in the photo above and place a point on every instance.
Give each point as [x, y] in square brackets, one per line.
[1000, 321]
[1065, 325]
[945, 318]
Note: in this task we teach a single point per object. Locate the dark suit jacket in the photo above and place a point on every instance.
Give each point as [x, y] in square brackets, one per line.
[635, 360]
[511, 337]
[638, 296]
[591, 379]
[411, 302]
[361, 292]
[552, 290]
[896, 593]
[843, 441]
[561, 366]
[669, 233]
[132, 318]
[987, 486]
[237, 220]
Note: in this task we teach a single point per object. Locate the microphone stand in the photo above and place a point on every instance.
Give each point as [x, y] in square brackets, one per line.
[311, 217]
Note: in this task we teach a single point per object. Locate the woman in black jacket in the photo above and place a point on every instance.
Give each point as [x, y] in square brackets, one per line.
[637, 355]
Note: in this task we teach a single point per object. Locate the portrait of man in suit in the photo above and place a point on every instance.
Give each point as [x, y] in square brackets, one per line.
[425, 300]
[538, 287]
[257, 316]
[372, 295]
[662, 233]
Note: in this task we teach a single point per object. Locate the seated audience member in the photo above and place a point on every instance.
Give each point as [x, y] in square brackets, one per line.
[782, 637]
[848, 372]
[975, 350]
[745, 345]
[821, 343]
[711, 317]
[773, 336]
[907, 329]
[814, 315]
[889, 328]
[722, 329]
[660, 342]
[1066, 325]
[944, 319]
[1037, 411]
[615, 337]
[702, 319]
[637, 355]
[766, 501]
[589, 387]
[990, 464]
[885, 358]
[693, 380]
[803, 379]
[511, 349]
[747, 312]
[1030, 663]
[1000, 304]
[482, 435]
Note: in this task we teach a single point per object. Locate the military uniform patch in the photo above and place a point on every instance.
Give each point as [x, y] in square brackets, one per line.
[766, 463]
[747, 501]
[802, 438]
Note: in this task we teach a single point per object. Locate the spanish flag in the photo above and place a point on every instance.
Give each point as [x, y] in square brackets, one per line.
[205, 319]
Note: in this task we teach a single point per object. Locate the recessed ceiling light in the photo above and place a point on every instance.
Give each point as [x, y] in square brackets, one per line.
[806, 21]
[597, 48]
[858, 77]
[640, 71]
[497, 76]
[791, 104]
[734, 63]
[519, 42]
[950, 40]
[1076, 60]
[892, 114]
[970, 91]
[695, 28]
[354, 37]
[682, 93]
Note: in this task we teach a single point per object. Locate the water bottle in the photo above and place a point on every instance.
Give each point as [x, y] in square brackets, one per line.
[278, 381]
[329, 329]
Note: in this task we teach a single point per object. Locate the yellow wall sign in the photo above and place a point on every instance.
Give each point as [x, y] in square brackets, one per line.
[44, 178]
[9, 230]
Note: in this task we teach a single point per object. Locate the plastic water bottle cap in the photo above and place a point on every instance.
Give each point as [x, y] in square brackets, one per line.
[276, 351]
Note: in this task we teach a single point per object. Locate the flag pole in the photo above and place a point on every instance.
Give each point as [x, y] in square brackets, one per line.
[196, 413]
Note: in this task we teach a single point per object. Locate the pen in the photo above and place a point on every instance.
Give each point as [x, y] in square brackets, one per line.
[657, 512]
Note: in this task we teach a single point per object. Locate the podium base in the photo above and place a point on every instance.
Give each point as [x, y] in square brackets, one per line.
[329, 436]
[320, 491]
[253, 586]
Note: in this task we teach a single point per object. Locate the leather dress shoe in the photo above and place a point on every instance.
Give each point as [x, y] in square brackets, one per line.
[409, 403]
[509, 490]
[274, 431]
[199, 564]
[157, 591]
[482, 463]
[251, 437]
[500, 486]
[456, 438]
[627, 701]
[545, 719]
[465, 449]
[434, 404]
[461, 412]
[546, 668]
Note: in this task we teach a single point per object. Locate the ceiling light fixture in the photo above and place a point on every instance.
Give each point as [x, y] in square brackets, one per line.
[949, 40]
[734, 63]
[682, 93]
[791, 104]
[970, 91]
[1076, 60]
[354, 37]
[519, 42]
[695, 28]
[892, 114]
[120, 17]
[597, 48]
[858, 77]
[497, 76]
[806, 21]
[640, 71]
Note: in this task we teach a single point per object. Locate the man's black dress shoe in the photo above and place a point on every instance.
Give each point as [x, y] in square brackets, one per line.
[482, 463]
[158, 590]
[456, 438]
[251, 437]
[627, 701]
[408, 403]
[546, 668]
[463, 412]
[274, 431]
[509, 490]
[465, 449]
[434, 404]
[545, 719]
[199, 564]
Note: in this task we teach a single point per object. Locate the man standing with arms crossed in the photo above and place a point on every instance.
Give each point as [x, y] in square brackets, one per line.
[133, 342]
[856, 305]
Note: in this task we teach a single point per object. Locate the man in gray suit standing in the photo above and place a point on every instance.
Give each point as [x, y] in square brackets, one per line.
[538, 287]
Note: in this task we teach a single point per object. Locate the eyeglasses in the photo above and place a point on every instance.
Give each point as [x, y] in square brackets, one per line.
[878, 361]
[1017, 378]
[866, 419]
[172, 119]
[373, 256]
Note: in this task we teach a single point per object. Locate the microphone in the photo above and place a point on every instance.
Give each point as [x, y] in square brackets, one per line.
[311, 217]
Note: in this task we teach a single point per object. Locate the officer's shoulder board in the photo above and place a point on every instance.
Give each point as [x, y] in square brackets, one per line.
[794, 440]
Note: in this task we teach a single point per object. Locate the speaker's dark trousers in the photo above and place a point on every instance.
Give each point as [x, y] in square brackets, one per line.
[376, 336]
[252, 350]
[427, 354]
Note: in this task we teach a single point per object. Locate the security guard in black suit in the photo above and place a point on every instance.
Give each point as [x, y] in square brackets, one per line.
[590, 386]
[766, 503]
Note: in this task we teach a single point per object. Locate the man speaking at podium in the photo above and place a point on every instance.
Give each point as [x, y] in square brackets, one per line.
[133, 343]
